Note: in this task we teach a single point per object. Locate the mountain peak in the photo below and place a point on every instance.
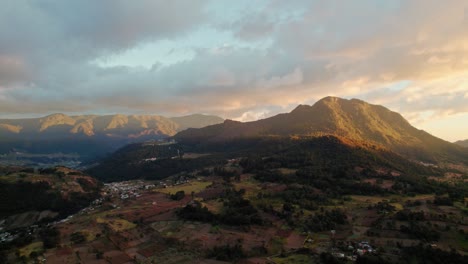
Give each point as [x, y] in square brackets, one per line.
[330, 99]
[301, 108]
[338, 100]
[56, 116]
[57, 119]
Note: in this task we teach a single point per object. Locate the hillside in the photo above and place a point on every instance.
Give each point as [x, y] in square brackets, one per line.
[47, 193]
[352, 119]
[463, 143]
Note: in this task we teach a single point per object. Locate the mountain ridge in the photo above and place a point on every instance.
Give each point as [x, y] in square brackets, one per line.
[117, 125]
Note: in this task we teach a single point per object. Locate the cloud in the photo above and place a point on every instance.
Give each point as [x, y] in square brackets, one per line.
[46, 36]
[12, 70]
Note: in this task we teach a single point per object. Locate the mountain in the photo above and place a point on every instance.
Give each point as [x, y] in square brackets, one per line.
[91, 134]
[463, 143]
[351, 119]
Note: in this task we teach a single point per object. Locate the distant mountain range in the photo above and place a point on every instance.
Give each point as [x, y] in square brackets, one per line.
[91, 134]
[463, 143]
[123, 126]
[350, 119]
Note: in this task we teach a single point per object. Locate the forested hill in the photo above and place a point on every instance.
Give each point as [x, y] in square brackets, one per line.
[327, 153]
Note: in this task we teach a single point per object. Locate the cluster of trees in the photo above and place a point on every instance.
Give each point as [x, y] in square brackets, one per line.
[196, 212]
[236, 211]
[443, 200]
[50, 236]
[326, 220]
[382, 207]
[77, 237]
[427, 254]
[227, 252]
[420, 231]
[408, 215]
[239, 211]
[303, 196]
[178, 196]
[418, 184]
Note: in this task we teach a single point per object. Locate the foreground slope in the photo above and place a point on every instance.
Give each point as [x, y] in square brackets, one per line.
[353, 119]
[28, 196]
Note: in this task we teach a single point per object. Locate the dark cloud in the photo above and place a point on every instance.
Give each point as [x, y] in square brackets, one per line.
[120, 24]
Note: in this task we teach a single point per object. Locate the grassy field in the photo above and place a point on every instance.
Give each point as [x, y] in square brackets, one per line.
[188, 188]
[462, 241]
[461, 207]
[299, 258]
[26, 251]
[251, 187]
[276, 245]
[368, 199]
[214, 206]
[396, 201]
[116, 224]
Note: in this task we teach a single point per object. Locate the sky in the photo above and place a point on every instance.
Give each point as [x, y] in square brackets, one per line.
[242, 60]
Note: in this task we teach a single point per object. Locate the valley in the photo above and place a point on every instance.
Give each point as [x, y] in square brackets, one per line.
[243, 132]
[209, 216]
[40, 160]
